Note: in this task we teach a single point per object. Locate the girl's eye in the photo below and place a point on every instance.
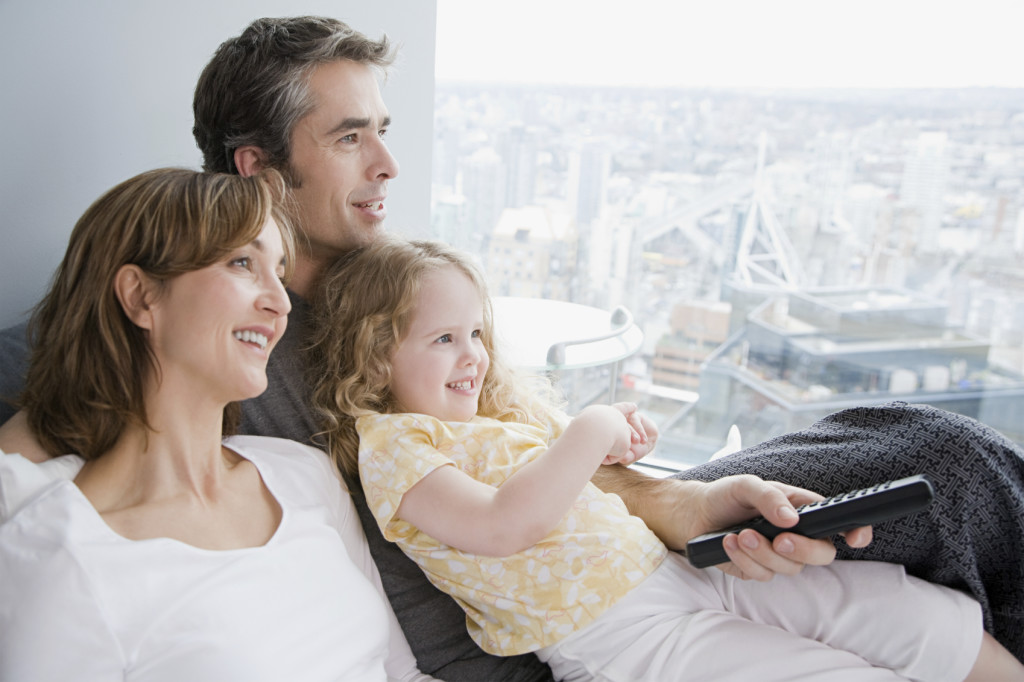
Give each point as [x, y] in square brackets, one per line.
[447, 338]
[477, 333]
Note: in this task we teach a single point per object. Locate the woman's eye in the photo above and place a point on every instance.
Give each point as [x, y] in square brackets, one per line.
[243, 262]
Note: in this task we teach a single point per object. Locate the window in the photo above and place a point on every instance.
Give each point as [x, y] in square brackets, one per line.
[788, 249]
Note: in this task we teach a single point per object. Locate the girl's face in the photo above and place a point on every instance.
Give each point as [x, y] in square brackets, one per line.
[212, 329]
[438, 368]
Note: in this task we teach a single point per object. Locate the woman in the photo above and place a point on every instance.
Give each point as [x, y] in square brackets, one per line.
[175, 554]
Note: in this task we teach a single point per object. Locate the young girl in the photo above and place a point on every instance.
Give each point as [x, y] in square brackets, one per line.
[485, 484]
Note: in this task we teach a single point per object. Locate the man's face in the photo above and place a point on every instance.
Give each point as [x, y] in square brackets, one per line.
[340, 164]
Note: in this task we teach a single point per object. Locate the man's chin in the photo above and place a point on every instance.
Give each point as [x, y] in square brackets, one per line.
[370, 234]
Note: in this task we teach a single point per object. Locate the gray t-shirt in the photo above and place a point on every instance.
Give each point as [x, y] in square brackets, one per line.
[13, 364]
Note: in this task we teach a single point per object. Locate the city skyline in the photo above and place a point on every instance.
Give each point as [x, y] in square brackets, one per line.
[732, 43]
[893, 197]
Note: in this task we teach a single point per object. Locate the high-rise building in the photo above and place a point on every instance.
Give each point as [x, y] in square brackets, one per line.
[589, 168]
[923, 186]
[533, 253]
[483, 185]
[697, 329]
[520, 150]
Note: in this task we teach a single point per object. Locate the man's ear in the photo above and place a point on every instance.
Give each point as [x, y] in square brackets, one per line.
[250, 160]
[136, 291]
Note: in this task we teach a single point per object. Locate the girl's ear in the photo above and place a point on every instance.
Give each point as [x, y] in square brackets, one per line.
[135, 290]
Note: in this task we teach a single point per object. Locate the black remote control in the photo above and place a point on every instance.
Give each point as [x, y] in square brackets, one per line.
[830, 516]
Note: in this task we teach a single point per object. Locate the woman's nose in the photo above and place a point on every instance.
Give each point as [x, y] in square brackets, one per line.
[275, 297]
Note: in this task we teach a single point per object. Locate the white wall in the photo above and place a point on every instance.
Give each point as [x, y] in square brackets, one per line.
[94, 92]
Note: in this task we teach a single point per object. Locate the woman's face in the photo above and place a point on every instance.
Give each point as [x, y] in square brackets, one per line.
[213, 329]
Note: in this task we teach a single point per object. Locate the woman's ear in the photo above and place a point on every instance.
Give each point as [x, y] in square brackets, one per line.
[250, 160]
[136, 291]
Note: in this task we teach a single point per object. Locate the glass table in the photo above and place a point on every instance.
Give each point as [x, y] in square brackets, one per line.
[543, 335]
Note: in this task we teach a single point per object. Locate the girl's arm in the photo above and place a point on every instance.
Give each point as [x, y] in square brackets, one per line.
[474, 517]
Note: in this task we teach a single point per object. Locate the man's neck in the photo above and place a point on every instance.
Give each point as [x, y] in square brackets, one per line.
[307, 272]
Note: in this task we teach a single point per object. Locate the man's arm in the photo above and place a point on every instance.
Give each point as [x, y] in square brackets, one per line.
[678, 511]
[17, 438]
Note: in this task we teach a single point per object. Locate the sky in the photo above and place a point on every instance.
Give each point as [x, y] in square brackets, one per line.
[734, 43]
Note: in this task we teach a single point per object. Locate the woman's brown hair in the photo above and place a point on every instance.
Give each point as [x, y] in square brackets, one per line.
[90, 364]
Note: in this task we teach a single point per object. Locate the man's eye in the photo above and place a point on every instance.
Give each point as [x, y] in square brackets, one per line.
[382, 133]
[348, 139]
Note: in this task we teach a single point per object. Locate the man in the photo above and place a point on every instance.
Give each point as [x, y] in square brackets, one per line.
[301, 95]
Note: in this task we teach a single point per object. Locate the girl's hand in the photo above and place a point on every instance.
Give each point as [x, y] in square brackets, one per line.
[643, 435]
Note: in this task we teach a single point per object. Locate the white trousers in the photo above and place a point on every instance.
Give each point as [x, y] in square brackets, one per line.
[851, 621]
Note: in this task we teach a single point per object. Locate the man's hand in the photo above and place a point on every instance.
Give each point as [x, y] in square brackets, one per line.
[678, 511]
[733, 499]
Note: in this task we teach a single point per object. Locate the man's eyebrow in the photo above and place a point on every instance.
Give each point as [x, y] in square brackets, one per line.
[357, 124]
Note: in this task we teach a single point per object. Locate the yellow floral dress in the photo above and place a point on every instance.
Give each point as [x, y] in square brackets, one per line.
[594, 556]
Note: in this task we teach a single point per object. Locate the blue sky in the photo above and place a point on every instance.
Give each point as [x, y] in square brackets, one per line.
[734, 43]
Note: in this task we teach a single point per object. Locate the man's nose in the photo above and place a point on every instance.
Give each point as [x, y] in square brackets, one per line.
[384, 164]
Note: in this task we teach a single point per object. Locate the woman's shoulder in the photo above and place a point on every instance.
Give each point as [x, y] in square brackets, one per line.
[281, 458]
[21, 480]
[270, 447]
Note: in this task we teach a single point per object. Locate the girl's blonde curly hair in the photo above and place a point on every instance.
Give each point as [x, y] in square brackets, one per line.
[362, 311]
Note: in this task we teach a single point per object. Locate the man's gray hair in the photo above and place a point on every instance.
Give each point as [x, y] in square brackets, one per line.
[256, 86]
